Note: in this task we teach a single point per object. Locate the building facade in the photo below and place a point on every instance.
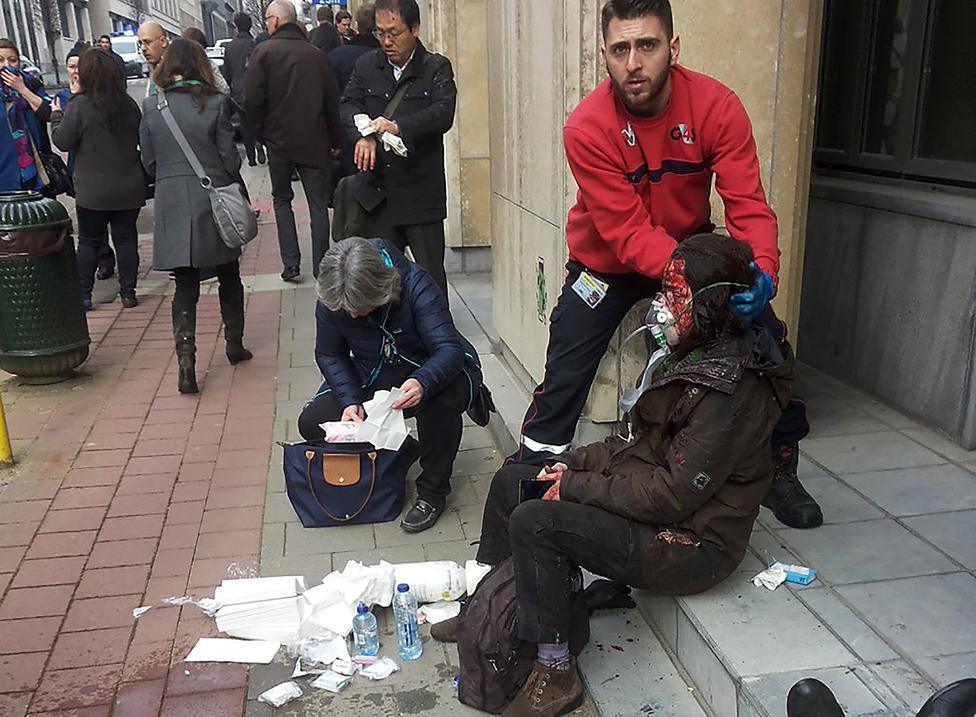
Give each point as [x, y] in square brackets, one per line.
[889, 301]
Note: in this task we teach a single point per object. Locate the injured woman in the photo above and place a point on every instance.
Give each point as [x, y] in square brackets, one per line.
[669, 509]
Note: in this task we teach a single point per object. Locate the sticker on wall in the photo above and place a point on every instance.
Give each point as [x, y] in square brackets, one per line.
[540, 289]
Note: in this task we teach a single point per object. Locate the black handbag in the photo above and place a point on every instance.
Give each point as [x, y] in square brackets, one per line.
[332, 484]
[58, 179]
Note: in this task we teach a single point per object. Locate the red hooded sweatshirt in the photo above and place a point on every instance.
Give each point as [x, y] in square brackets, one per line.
[644, 183]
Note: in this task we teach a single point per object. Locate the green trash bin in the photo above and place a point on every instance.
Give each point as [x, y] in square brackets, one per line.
[43, 331]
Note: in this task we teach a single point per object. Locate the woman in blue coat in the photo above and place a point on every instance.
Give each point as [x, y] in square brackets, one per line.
[382, 322]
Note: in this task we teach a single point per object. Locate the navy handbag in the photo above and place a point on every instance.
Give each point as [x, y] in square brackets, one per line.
[331, 484]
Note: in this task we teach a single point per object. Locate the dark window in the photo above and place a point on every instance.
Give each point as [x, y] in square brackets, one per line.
[897, 90]
[63, 14]
[948, 107]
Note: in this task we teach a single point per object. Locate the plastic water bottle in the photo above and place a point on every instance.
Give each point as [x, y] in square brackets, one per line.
[405, 615]
[365, 634]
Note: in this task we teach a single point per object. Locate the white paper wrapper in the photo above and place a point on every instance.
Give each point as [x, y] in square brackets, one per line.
[331, 681]
[440, 611]
[380, 670]
[280, 695]
[770, 578]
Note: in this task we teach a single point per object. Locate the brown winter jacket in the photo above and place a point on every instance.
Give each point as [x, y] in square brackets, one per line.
[692, 478]
[292, 98]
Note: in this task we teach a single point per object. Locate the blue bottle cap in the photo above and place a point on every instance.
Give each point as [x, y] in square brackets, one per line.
[362, 609]
[402, 588]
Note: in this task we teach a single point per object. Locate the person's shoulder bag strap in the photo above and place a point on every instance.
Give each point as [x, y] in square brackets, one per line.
[397, 96]
[163, 106]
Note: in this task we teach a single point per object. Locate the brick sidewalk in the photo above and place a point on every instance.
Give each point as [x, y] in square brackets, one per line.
[126, 492]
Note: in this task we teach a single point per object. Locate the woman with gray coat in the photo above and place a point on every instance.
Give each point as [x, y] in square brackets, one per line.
[101, 127]
[185, 237]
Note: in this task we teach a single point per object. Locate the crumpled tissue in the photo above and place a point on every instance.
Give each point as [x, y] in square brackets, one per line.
[280, 695]
[391, 142]
[340, 431]
[320, 649]
[384, 427]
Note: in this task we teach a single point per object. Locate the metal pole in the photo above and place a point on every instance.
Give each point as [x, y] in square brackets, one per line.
[6, 454]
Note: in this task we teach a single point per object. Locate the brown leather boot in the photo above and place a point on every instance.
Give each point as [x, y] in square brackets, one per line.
[547, 693]
[446, 630]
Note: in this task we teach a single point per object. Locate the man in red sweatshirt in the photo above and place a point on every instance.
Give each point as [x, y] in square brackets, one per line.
[644, 147]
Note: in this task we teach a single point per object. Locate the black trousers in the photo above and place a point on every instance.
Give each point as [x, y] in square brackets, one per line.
[188, 284]
[92, 226]
[426, 242]
[547, 540]
[578, 339]
[317, 184]
[247, 132]
[439, 426]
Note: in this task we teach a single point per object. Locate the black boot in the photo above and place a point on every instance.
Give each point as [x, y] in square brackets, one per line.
[955, 700]
[812, 698]
[232, 312]
[184, 335]
[790, 502]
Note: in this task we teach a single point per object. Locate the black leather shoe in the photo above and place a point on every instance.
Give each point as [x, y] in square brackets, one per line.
[251, 163]
[129, 301]
[787, 498]
[105, 272]
[955, 700]
[291, 273]
[422, 516]
[812, 698]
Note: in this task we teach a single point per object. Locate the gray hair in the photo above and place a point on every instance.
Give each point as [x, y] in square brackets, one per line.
[355, 278]
[284, 11]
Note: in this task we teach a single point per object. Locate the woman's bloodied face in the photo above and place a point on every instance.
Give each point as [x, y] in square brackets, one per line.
[678, 296]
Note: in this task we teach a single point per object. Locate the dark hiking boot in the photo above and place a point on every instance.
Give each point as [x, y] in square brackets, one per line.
[787, 498]
[184, 336]
[547, 693]
[955, 700]
[812, 698]
[446, 631]
[232, 313]
[607, 595]
[422, 516]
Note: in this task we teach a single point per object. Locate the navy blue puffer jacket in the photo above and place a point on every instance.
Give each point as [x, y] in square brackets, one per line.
[349, 351]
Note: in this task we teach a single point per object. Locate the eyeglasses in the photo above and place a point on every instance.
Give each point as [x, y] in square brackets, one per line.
[388, 34]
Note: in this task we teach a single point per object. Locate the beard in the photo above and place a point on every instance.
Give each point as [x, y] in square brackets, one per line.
[645, 101]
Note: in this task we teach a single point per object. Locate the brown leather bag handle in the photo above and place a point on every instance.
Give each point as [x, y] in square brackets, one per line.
[309, 455]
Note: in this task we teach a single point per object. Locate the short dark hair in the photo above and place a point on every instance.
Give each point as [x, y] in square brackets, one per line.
[105, 37]
[74, 52]
[408, 10]
[8, 44]
[195, 34]
[711, 259]
[366, 19]
[630, 9]
[342, 15]
[242, 21]
[324, 14]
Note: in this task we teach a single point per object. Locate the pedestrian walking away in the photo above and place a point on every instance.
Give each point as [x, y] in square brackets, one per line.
[100, 127]
[106, 257]
[291, 96]
[643, 148]
[236, 55]
[325, 36]
[413, 182]
[185, 237]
